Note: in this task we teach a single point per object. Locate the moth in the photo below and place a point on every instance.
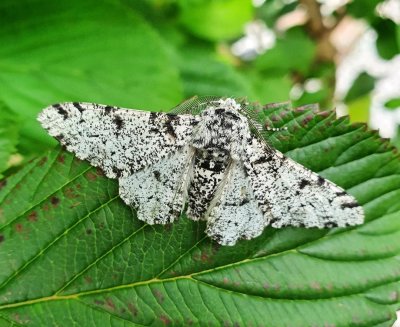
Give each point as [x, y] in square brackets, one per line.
[207, 156]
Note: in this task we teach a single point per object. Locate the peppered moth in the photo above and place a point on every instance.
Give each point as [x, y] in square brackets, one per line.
[206, 154]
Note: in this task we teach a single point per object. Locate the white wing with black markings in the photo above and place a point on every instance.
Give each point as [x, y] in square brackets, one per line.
[291, 195]
[120, 141]
[148, 152]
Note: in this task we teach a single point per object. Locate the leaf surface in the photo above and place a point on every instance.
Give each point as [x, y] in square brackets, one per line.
[215, 20]
[72, 253]
[8, 135]
[57, 51]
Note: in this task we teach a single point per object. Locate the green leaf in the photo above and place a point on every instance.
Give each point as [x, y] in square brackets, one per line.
[313, 97]
[398, 36]
[359, 108]
[71, 252]
[215, 20]
[386, 43]
[364, 9]
[267, 89]
[271, 11]
[9, 127]
[55, 51]
[203, 74]
[396, 139]
[280, 58]
[363, 85]
[392, 104]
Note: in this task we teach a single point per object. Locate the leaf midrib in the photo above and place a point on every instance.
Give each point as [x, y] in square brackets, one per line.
[191, 277]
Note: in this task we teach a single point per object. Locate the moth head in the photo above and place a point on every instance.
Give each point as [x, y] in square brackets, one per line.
[229, 104]
[223, 108]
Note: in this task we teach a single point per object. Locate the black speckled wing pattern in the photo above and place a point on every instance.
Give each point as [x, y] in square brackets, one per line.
[203, 154]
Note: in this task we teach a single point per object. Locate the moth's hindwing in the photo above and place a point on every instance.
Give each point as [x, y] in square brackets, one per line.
[291, 195]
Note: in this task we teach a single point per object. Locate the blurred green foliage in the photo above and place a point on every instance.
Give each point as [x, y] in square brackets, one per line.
[393, 104]
[152, 54]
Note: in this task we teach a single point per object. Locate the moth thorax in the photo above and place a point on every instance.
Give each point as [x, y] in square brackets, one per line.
[221, 130]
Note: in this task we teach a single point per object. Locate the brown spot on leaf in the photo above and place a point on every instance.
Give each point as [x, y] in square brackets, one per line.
[283, 114]
[316, 286]
[215, 248]
[132, 308]
[307, 119]
[283, 138]
[225, 280]
[324, 113]
[3, 183]
[19, 228]
[61, 159]
[110, 304]
[168, 227]
[70, 194]
[88, 231]
[88, 279]
[42, 161]
[165, 320]
[33, 216]
[17, 318]
[159, 296]
[394, 296]
[271, 105]
[45, 207]
[1, 238]
[55, 201]
[204, 257]
[78, 186]
[327, 149]
[99, 172]
[91, 176]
